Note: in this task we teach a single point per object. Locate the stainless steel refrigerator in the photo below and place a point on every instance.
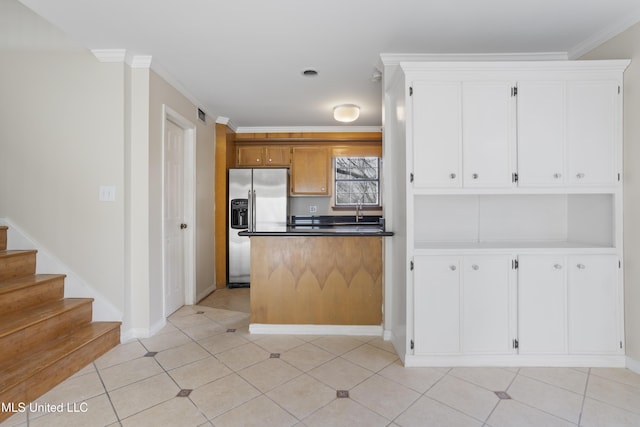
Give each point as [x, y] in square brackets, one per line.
[257, 202]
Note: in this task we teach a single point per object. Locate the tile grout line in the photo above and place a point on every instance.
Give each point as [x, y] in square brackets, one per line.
[107, 393]
[584, 396]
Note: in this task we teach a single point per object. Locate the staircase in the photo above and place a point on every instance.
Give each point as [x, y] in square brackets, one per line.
[44, 337]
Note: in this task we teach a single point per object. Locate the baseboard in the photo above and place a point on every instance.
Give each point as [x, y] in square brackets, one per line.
[135, 333]
[202, 295]
[387, 334]
[420, 361]
[74, 285]
[361, 330]
[633, 365]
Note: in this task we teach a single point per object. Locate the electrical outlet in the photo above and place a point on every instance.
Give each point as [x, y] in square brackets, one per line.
[313, 209]
[107, 193]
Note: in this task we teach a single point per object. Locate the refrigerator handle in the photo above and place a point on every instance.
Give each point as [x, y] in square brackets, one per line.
[250, 216]
[253, 204]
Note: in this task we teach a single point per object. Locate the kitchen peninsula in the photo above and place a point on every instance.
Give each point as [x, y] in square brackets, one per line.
[315, 277]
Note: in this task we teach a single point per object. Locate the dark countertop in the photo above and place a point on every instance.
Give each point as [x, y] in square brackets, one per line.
[372, 226]
[343, 230]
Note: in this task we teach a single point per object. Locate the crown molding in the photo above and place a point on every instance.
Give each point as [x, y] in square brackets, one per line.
[605, 35]
[227, 122]
[397, 58]
[138, 61]
[296, 129]
[110, 55]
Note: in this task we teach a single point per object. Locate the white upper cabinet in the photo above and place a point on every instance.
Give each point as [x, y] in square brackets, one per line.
[541, 133]
[593, 126]
[488, 134]
[437, 134]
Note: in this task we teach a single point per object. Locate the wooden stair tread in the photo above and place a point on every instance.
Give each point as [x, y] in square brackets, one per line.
[15, 321]
[14, 372]
[12, 252]
[18, 283]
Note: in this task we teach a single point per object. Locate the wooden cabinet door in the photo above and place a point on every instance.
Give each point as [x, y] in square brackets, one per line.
[595, 312]
[486, 318]
[541, 133]
[593, 132]
[310, 170]
[542, 304]
[437, 134]
[488, 134]
[249, 156]
[436, 304]
[276, 155]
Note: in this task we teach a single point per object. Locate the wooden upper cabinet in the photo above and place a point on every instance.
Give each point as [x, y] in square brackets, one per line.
[250, 156]
[277, 155]
[263, 156]
[310, 171]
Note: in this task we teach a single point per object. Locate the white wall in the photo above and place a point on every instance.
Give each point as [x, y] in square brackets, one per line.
[627, 46]
[61, 139]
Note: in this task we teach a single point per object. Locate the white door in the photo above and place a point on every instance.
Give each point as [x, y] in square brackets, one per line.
[541, 133]
[594, 305]
[437, 134]
[542, 304]
[486, 304]
[174, 218]
[437, 304]
[592, 124]
[488, 135]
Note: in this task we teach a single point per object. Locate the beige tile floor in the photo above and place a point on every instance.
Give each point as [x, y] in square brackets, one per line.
[233, 378]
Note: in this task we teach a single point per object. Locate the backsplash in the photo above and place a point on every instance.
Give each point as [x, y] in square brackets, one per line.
[301, 206]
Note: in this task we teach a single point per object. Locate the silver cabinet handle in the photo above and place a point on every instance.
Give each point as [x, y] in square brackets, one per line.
[557, 175]
[474, 176]
[452, 267]
[580, 175]
[557, 266]
[581, 266]
[475, 267]
[452, 176]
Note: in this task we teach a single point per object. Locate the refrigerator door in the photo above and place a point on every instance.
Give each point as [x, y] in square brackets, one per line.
[239, 247]
[270, 188]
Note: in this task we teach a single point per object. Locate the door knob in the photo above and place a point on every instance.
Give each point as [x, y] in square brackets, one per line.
[183, 226]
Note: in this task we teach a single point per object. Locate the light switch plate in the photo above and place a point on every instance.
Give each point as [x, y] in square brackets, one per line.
[107, 193]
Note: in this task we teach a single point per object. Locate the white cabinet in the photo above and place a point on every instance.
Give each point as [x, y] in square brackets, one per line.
[463, 304]
[437, 134]
[437, 304]
[568, 133]
[542, 304]
[488, 126]
[593, 132]
[541, 133]
[595, 323]
[486, 305]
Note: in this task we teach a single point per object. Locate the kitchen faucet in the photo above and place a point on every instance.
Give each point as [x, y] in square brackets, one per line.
[358, 209]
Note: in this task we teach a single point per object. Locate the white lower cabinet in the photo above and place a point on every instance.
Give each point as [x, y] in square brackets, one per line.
[595, 305]
[463, 304]
[550, 305]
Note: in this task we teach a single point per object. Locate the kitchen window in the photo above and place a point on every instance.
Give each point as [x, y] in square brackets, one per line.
[357, 180]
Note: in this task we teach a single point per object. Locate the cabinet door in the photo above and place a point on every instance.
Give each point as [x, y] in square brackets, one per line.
[593, 132]
[486, 306]
[437, 134]
[595, 312]
[541, 133]
[277, 156]
[436, 304]
[310, 170]
[249, 156]
[542, 304]
[488, 134]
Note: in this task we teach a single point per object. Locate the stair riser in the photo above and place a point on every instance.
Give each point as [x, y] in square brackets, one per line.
[3, 238]
[33, 295]
[43, 381]
[17, 265]
[30, 338]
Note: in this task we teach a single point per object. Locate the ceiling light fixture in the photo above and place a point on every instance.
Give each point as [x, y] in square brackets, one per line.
[346, 112]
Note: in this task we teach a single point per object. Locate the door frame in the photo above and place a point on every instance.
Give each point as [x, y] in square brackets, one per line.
[189, 130]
